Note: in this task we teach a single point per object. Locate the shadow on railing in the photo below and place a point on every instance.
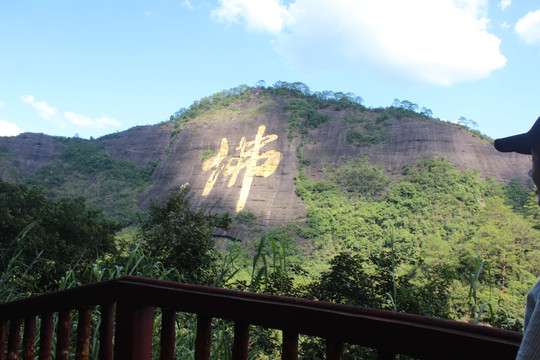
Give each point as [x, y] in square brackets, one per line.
[127, 307]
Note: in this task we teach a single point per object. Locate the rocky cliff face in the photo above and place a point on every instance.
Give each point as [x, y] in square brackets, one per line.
[27, 152]
[250, 163]
[242, 157]
[408, 140]
[254, 163]
[140, 145]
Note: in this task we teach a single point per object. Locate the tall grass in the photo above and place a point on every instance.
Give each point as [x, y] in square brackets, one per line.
[477, 307]
[268, 269]
[393, 296]
[17, 280]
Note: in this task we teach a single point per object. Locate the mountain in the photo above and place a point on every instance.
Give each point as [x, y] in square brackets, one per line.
[243, 148]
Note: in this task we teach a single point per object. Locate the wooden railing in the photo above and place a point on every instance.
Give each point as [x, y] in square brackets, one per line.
[127, 307]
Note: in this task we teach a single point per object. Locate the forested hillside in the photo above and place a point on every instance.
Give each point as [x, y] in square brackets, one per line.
[243, 148]
[418, 233]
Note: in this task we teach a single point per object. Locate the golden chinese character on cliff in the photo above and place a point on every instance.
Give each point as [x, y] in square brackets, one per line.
[247, 158]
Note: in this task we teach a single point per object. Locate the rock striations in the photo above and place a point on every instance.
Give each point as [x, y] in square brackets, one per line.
[245, 156]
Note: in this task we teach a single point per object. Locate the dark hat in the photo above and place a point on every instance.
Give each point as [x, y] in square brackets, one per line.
[522, 143]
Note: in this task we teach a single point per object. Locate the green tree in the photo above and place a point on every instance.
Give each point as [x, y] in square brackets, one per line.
[471, 124]
[532, 210]
[85, 168]
[510, 245]
[180, 236]
[66, 234]
[358, 176]
[516, 195]
[383, 281]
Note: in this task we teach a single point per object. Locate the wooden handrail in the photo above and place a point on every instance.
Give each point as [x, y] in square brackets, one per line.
[135, 301]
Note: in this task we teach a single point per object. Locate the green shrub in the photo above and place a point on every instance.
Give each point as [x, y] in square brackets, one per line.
[355, 137]
[207, 154]
[353, 119]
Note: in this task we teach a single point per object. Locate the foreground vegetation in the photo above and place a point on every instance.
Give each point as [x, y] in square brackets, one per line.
[413, 246]
[432, 241]
[85, 168]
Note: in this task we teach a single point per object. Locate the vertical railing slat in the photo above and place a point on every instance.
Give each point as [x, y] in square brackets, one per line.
[241, 341]
[62, 335]
[289, 346]
[203, 341]
[29, 336]
[3, 338]
[14, 339]
[83, 334]
[132, 326]
[383, 354]
[168, 334]
[334, 350]
[45, 337]
[133, 331]
[106, 332]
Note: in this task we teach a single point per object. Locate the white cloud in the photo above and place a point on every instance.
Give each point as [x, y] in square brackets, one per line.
[46, 111]
[261, 15]
[476, 8]
[528, 27]
[9, 129]
[187, 4]
[434, 41]
[82, 120]
[2, 104]
[49, 113]
[504, 4]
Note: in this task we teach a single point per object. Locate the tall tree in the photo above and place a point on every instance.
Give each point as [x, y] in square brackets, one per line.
[62, 235]
[180, 235]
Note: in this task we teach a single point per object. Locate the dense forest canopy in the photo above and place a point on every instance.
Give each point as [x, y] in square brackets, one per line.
[86, 168]
[409, 243]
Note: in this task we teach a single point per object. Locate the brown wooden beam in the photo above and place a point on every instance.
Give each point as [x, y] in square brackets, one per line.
[83, 334]
[334, 350]
[134, 329]
[3, 337]
[106, 332]
[45, 337]
[168, 334]
[203, 342]
[14, 339]
[62, 335]
[290, 346]
[241, 341]
[29, 337]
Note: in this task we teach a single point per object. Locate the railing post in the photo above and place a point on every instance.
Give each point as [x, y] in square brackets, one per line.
[106, 332]
[45, 337]
[168, 334]
[14, 339]
[203, 342]
[62, 335]
[383, 354]
[289, 346]
[241, 341]
[134, 329]
[28, 338]
[3, 336]
[334, 350]
[83, 334]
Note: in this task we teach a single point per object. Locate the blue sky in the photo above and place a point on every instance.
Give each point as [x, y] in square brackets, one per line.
[97, 67]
